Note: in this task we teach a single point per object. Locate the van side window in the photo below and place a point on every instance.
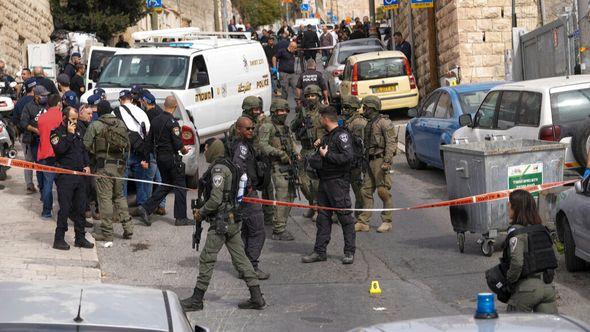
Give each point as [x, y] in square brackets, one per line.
[485, 115]
[529, 111]
[444, 107]
[507, 111]
[199, 74]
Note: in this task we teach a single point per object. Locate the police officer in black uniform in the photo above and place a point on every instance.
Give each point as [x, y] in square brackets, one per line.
[311, 77]
[164, 141]
[332, 162]
[70, 153]
[243, 155]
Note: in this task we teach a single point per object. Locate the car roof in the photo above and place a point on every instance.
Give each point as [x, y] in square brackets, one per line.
[186, 47]
[545, 84]
[376, 55]
[464, 323]
[360, 42]
[102, 305]
[466, 88]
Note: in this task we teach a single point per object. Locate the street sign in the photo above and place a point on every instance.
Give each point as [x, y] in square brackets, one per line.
[525, 175]
[304, 7]
[390, 4]
[153, 3]
[417, 4]
[312, 15]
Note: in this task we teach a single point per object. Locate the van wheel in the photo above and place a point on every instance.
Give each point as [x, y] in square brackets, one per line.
[572, 263]
[581, 143]
[413, 161]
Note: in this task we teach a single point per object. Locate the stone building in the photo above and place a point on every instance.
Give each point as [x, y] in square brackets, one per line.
[22, 22]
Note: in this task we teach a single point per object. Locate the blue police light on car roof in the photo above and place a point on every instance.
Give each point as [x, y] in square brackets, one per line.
[486, 308]
[183, 44]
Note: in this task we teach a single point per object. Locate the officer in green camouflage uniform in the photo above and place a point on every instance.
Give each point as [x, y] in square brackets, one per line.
[218, 202]
[277, 143]
[355, 122]
[252, 109]
[111, 202]
[380, 148]
[309, 132]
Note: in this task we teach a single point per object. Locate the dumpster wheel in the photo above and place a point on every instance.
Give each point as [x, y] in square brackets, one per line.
[461, 241]
[487, 247]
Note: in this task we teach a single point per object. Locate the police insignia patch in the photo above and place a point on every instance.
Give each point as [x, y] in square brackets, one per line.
[54, 139]
[243, 150]
[343, 138]
[176, 131]
[513, 242]
[217, 180]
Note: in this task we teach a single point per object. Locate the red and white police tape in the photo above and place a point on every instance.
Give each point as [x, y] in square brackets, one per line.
[486, 197]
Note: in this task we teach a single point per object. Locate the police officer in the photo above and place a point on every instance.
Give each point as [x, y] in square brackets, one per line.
[219, 209]
[528, 258]
[380, 148]
[278, 144]
[244, 157]
[107, 140]
[30, 136]
[333, 162]
[355, 123]
[148, 104]
[71, 189]
[165, 142]
[311, 77]
[308, 130]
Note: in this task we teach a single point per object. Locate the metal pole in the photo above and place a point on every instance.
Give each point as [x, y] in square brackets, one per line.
[154, 20]
[513, 4]
[391, 29]
[224, 15]
[411, 33]
[372, 12]
[543, 13]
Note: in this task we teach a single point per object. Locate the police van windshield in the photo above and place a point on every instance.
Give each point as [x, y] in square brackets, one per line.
[148, 70]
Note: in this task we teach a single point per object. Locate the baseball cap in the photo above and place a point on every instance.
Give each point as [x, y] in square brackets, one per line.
[100, 92]
[30, 84]
[136, 89]
[70, 98]
[148, 97]
[76, 54]
[40, 91]
[92, 99]
[63, 79]
[125, 94]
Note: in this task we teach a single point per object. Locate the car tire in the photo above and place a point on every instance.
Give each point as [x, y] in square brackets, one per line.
[572, 262]
[413, 161]
[580, 142]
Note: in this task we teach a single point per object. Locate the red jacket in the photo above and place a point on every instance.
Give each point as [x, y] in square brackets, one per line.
[48, 121]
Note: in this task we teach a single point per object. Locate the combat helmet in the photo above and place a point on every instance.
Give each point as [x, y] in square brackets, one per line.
[351, 101]
[279, 104]
[372, 102]
[251, 102]
[312, 89]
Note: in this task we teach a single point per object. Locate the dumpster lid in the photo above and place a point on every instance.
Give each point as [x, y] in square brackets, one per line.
[489, 148]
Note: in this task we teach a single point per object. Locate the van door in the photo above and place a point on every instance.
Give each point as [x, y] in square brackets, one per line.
[98, 58]
[200, 94]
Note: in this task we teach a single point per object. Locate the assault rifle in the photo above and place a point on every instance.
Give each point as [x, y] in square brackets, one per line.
[293, 168]
[195, 205]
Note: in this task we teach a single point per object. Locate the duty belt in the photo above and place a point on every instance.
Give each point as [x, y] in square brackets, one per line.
[376, 156]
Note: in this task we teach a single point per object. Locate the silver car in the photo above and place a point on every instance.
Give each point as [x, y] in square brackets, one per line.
[335, 65]
[573, 225]
[35, 306]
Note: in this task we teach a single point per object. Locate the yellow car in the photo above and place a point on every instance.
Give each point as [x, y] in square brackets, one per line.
[385, 74]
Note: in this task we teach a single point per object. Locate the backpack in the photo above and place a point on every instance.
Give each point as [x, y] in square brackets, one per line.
[114, 135]
[357, 149]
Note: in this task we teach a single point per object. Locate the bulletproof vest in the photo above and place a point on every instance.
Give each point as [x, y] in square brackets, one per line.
[331, 140]
[374, 140]
[308, 130]
[540, 255]
[206, 182]
[309, 77]
[250, 162]
[281, 139]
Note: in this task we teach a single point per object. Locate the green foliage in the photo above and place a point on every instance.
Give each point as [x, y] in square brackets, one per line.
[259, 12]
[103, 17]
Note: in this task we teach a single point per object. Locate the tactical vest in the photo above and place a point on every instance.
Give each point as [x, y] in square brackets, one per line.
[539, 255]
[206, 182]
[281, 139]
[374, 141]
[330, 170]
[309, 130]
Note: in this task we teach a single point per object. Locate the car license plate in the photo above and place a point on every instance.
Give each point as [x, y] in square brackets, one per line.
[383, 89]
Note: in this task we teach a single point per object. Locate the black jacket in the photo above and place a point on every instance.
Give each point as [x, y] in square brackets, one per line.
[164, 136]
[337, 161]
[69, 149]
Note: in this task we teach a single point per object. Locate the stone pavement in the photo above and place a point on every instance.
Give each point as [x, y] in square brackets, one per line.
[26, 240]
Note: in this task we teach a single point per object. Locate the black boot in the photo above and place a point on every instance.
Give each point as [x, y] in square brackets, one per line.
[255, 302]
[81, 242]
[59, 243]
[193, 303]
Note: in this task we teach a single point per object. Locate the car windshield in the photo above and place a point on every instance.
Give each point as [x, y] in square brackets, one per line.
[381, 68]
[343, 54]
[470, 101]
[148, 70]
[570, 106]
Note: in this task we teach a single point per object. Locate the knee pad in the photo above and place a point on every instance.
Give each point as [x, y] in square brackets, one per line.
[383, 193]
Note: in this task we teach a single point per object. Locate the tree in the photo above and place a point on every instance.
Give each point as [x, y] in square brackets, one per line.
[259, 12]
[103, 17]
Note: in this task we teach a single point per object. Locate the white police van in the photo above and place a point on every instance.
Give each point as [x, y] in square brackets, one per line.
[211, 73]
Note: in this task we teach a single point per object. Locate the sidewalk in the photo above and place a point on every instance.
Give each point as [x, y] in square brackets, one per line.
[26, 240]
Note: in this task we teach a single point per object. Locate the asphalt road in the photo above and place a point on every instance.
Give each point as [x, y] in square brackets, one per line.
[418, 266]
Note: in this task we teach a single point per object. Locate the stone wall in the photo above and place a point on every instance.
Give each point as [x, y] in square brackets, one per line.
[22, 22]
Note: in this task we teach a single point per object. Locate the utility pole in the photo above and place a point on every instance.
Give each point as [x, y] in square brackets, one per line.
[432, 49]
[372, 30]
[224, 15]
[216, 12]
[513, 4]
[154, 19]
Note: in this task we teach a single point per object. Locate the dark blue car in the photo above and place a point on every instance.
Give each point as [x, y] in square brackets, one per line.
[437, 118]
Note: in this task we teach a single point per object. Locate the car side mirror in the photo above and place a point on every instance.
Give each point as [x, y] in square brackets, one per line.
[579, 187]
[465, 120]
[412, 112]
[201, 329]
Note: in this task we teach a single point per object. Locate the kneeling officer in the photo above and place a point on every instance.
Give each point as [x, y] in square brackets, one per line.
[220, 184]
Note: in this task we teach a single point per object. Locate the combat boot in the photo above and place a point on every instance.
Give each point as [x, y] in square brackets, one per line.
[127, 235]
[261, 275]
[183, 222]
[59, 243]
[384, 228]
[313, 257]
[99, 236]
[83, 243]
[256, 300]
[360, 227]
[284, 236]
[193, 303]
[143, 215]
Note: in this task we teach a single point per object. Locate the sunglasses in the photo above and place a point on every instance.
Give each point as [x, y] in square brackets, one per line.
[249, 128]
